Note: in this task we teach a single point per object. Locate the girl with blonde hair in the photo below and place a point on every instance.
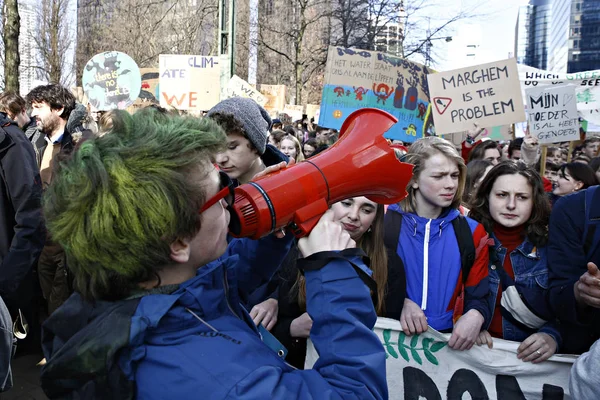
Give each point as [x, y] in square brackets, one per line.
[444, 289]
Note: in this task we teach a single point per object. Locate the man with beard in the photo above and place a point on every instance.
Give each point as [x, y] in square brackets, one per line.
[59, 122]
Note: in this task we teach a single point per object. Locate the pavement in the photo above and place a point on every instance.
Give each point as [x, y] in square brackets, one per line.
[26, 379]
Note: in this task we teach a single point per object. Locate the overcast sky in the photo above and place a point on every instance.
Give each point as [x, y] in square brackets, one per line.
[497, 26]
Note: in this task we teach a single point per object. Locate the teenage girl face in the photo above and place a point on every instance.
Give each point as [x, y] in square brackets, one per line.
[566, 184]
[355, 214]
[288, 148]
[511, 200]
[437, 183]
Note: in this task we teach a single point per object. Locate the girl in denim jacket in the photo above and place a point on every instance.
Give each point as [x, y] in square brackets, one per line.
[511, 204]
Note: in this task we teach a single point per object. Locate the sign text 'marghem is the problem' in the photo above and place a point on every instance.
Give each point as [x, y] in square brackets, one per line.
[476, 76]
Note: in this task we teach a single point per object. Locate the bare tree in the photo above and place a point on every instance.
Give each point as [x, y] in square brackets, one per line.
[144, 29]
[52, 41]
[420, 28]
[299, 39]
[11, 44]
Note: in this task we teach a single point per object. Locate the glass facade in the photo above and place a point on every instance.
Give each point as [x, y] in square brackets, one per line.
[558, 49]
[533, 33]
[584, 36]
[539, 33]
[522, 34]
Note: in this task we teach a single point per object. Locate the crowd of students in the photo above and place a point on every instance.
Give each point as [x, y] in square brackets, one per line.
[166, 304]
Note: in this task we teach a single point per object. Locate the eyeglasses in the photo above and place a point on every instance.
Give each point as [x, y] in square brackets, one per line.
[226, 193]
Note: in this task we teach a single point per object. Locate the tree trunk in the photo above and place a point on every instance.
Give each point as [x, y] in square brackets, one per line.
[12, 23]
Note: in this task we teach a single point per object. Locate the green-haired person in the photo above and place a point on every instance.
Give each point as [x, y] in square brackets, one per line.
[143, 216]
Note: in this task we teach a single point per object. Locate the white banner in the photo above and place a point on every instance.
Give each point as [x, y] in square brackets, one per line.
[424, 367]
[587, 84]
[237, 87]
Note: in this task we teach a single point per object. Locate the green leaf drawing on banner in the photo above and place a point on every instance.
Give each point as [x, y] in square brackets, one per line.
[416, 356]
[402, 346]
[437, 346]
[428, 354]
[426, 343]
[387, 344]
[429, 346]
[414, 341]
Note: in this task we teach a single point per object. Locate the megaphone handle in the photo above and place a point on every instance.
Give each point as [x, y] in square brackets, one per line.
[306, 218]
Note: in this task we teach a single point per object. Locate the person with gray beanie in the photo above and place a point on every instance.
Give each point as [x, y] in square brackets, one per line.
[247, 126]
[247, 153]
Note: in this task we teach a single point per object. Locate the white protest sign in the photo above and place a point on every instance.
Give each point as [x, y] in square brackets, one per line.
[189, 82]
[552, 112]
[487, 94]
[294, 111]
[237, 87]
[424, 367]
[587, 83]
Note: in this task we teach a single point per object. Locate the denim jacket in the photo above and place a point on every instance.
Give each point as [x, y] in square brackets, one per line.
[530, 267]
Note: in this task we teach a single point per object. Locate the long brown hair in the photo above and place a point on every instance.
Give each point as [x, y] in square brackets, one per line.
[371, 242]
[536, 228]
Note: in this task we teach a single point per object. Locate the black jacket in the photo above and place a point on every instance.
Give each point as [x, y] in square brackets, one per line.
[22, 231]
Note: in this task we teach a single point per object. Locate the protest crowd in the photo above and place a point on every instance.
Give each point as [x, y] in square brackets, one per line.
[118, 262]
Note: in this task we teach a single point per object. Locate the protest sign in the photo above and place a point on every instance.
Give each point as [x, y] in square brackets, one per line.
[487, 94]
[111, 80]
[312, 110]
[356, 79]
[587, 84]
[294, 111]
[423, 366]
[150, 85]
[552, 114]
[237, 87]
[189, 82]
[275, 95]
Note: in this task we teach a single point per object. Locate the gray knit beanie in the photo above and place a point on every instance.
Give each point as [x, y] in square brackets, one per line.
[255, 119]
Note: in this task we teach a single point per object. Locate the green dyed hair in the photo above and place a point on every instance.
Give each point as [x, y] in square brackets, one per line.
[119, 202]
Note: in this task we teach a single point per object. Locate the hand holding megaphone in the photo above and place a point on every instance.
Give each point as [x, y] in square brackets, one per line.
[360, 163]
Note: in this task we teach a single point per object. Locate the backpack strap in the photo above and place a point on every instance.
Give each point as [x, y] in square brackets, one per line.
[392, 221]
[466, 246]
[396, 284]
[592, 196]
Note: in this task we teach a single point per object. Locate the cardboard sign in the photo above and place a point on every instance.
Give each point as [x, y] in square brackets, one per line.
[111, 80]
[552, 113]
[294, 111]
[312, 110]
[489, 94]
[356, 79]
[237, 87]
[275, 95]
[150, 85]
[424, 367]
[189, 82]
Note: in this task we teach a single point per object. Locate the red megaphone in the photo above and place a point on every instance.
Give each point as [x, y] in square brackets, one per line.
[360, 163]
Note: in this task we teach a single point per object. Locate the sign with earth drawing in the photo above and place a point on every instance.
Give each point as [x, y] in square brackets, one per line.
[356, 79]
[111, 80]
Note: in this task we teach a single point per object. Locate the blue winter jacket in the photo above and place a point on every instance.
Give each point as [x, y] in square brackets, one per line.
[530, 267]
[431, 257]
[158, 348]
[567, 262]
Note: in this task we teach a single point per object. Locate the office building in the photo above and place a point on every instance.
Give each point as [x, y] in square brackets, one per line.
[558, 49]
[584, 36]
